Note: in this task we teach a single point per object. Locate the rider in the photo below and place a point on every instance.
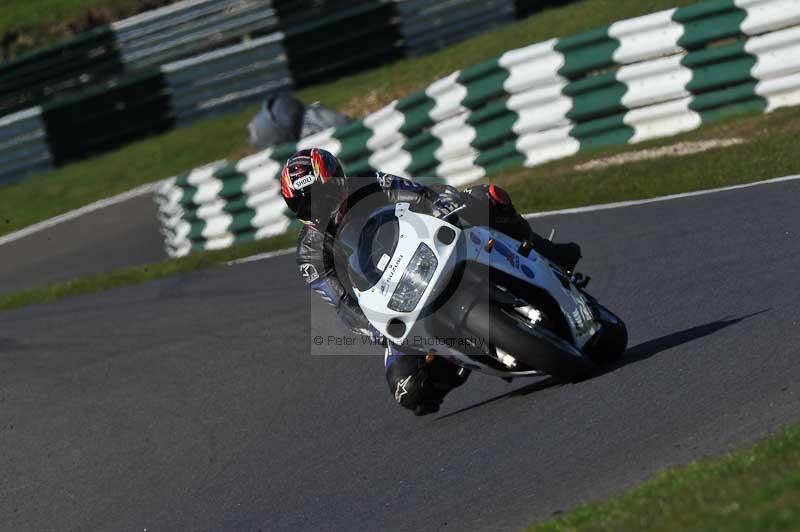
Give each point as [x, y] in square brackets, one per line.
[418, 383]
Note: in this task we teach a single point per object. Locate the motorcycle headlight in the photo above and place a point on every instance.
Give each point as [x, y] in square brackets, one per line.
[415, 280]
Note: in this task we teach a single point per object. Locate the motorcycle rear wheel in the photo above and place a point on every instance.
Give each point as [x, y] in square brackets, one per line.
[532, 345]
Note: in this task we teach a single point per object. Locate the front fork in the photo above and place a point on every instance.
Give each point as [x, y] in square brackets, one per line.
[534, 317]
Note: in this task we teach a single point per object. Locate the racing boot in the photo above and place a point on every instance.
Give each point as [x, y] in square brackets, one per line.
[491, 205]
[420, 383]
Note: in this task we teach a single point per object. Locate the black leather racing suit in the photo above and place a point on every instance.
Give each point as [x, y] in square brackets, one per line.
[415, 384]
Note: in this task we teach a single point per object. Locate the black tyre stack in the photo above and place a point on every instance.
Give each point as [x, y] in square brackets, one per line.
[31, 79]
[332, 38]
[107, 116]
[526, 8]
[96, 96]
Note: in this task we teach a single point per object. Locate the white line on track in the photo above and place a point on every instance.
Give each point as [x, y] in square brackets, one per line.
[77, 213]
[151, 187]
[262, 256]
[578, 210]
[633, 203]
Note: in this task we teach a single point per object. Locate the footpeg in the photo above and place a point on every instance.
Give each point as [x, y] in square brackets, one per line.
[580, 281]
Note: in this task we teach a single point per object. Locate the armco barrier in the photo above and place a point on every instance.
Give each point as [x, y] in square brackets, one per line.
[332, 38]
[227, 79]
[218, 55]
[636, 80]
[23, 147]
[526, 8]
[150, 101]
[107, 116]
[143, 102]
[31, 79]
[427, 26]
[189, 28]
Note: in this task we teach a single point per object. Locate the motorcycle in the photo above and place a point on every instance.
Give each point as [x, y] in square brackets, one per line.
[475, 296]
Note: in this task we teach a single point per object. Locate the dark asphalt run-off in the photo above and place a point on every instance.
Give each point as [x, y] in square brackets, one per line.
[118, 236]
[193, 403]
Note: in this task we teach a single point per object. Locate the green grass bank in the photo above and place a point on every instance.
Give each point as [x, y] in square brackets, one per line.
[751, 490]
[26, 25]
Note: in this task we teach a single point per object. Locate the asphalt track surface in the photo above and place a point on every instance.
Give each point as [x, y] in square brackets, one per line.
[194, 403]
[122, 235]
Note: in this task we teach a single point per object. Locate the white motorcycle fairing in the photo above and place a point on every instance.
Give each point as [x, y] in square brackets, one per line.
[413, 328]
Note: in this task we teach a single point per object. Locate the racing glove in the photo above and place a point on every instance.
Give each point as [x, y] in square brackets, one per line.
[447, 202]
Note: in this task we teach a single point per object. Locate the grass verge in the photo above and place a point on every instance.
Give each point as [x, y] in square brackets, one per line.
[26, 25]
[755, 489]
[769, 152]
[52, 193]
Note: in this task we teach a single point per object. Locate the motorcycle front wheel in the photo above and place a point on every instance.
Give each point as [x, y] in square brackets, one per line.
[613, 338]
[532, 345]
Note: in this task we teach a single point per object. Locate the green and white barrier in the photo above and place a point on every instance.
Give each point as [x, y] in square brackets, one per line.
[636, 80]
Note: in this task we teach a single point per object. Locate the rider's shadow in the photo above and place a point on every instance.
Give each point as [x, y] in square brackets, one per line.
[632, 355]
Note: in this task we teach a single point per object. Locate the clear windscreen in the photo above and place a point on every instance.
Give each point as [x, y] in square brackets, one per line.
[367, 245]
